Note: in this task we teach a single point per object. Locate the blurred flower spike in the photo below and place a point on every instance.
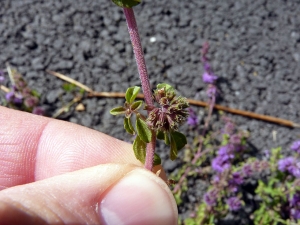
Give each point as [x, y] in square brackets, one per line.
[192, 119]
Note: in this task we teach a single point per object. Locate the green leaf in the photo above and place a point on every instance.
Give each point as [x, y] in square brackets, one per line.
[118, 110]
[128, 126]
[35, 93]
[177, 142]
[167, 138]
[166, 86]
[179, 138]
[142, 130]
[157, 160]
[136, 105]
[68, 87]
[173, 149]
[160, 135]
[163, 136]
[126, 3]
[81, 91]
[139, 148]
[131, 94]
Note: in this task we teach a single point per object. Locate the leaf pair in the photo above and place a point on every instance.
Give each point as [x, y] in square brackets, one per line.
[130, 105]
[175, 139]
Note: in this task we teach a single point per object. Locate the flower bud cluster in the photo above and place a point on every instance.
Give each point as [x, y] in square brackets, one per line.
[21, 96]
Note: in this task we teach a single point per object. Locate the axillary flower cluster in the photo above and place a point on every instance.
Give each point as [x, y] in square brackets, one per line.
[164, 119]
[171, 113]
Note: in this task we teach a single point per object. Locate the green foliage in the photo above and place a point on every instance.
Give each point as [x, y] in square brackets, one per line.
[118, 110]
[136, 105]
[139, 148]
[142, 130]
[126, 3]
[177, 142]
[69, 87]
[128, 126]
[167, 87]
[173, 138]
[131, 94]
[157, 160]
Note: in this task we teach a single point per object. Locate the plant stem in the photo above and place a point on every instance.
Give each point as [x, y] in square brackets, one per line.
[142, 69]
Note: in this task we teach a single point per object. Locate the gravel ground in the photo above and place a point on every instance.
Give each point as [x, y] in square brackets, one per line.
[255, 50]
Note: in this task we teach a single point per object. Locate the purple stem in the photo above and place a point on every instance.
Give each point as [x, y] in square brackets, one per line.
[141, 65]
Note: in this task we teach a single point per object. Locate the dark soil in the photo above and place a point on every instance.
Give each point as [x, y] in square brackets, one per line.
[255, 50]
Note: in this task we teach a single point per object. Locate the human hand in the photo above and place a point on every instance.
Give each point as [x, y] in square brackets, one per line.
[54, 172]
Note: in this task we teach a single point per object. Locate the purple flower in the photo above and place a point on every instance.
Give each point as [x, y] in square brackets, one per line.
[237, 178]
[295, 213]
[296, 146]
[290, 165]
[211, 91]
[247, 170]
[209, 78]
[235, 139]
[210, 197]
[267, 154]
[31, 101]
[10, 96]
[234, 203]
[226, 152]
[219, 164]
[229, 127]
[222, 161]
[295, 206]
[192, 119]
[286, 164]
[295, 200]
[38, 111]
[235, 181]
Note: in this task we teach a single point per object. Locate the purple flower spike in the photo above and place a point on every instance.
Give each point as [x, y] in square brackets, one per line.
[295, 214]
[10, 96]
[296, 146]
[237, 178]
[192, 119]
[210, 197]
[286, 164]
[18, 99]
[219, 164]
[209, 78]
[234, 203]
[211, 91]
[247, 170]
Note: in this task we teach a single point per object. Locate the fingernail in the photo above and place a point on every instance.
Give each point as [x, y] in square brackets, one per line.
[139, 198]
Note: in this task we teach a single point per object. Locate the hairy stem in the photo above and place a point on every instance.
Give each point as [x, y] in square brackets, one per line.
[142, 69]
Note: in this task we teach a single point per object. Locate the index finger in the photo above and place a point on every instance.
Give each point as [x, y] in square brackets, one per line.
[34, 148]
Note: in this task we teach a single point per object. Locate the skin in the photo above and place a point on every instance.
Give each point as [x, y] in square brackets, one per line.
[55, 172]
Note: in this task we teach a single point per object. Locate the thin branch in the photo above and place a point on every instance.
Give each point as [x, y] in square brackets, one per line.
[252, 115]
[70, 80]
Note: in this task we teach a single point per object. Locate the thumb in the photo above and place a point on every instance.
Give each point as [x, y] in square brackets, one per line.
[108, 194]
